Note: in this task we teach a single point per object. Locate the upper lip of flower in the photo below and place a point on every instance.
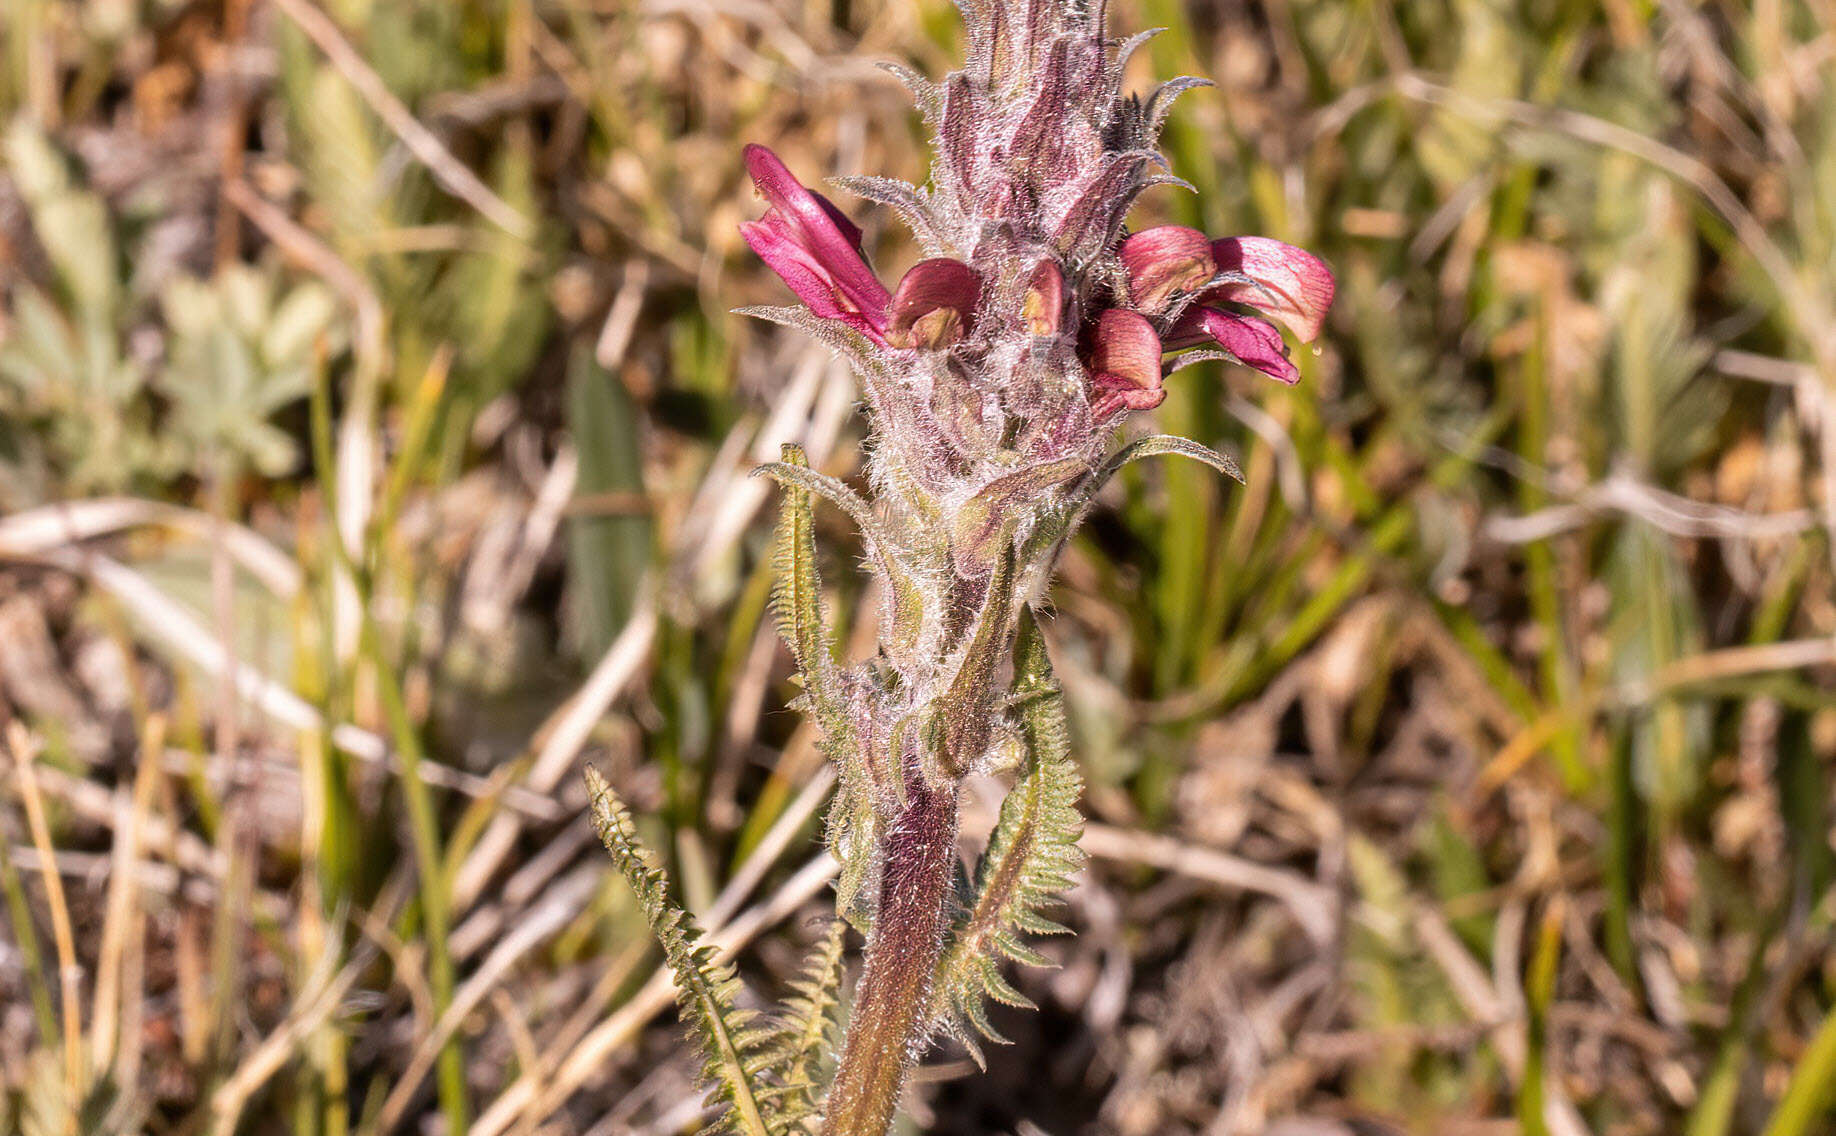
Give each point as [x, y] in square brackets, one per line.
[814, 247]
[1287, 283]
[1163, 261]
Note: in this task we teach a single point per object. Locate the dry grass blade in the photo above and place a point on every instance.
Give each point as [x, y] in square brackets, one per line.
[23, 752]
[1314, 907]
[420, 141]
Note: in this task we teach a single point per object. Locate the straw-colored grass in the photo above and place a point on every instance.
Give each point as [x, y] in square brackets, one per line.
[374, 449]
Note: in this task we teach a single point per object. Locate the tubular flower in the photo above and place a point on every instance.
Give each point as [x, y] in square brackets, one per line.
[1179, 271]
[814, 247]
[995, 377]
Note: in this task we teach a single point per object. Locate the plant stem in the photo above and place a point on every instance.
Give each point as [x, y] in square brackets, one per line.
[891, 1004]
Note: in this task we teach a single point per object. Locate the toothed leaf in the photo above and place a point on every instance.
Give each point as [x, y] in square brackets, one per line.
[904, 600]
[838, 337]
[706, 989]
[798, 598]
[805, 1031]
[1031, 857]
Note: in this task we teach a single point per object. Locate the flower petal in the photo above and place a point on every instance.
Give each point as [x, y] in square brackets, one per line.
[813, 246]
[1164, 260]
[1288, 283]
[934, 304]
[1254, 342]
[1122, 358]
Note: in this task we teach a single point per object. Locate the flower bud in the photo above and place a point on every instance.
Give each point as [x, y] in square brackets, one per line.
[934, 305]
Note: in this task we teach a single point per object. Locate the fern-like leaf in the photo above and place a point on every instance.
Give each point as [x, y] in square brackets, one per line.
[706, 989]
[1032, 855]
[905, 601]
[804, 1031]
[797, 595]
[853, 823]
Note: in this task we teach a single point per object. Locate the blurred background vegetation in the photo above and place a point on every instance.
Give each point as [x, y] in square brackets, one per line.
[373, 450]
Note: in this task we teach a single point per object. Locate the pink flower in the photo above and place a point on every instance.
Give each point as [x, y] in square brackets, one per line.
[1289, 284]
[807, 241]
[1122, 356]
[934, 306]
[1254, 342]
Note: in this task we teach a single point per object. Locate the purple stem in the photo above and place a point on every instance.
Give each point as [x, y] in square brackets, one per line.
[893, 998]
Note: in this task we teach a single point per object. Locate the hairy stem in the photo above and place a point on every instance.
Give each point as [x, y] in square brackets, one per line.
[894, 995]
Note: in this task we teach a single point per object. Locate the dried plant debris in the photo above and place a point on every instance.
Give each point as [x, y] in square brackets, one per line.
[375, 441]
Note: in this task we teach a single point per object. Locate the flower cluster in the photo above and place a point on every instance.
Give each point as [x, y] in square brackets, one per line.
[995, 376]
[1164, 288]
[998, 368]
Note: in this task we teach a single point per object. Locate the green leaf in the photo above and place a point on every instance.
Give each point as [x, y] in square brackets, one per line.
[1031, 856]
[853, 822]
[904, 599]
[803, 1034]
[798, 594]
[706, 989]
[607, 553]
